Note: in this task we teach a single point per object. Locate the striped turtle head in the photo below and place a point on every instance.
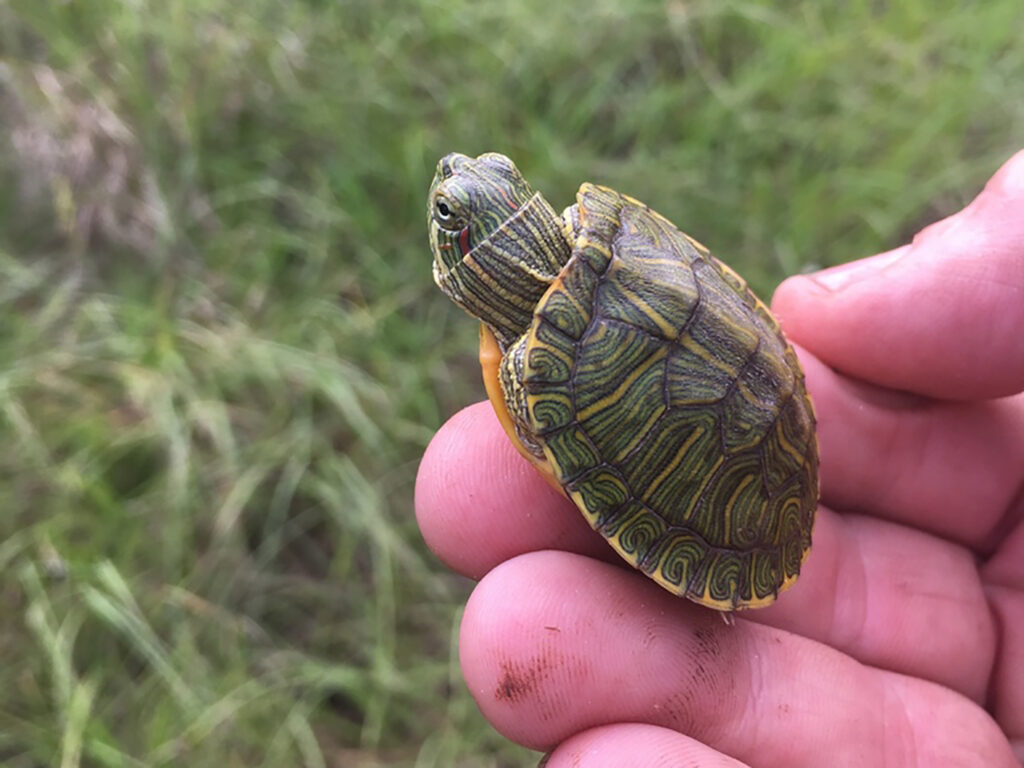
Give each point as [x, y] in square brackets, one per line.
[497, 244]
[468, 201]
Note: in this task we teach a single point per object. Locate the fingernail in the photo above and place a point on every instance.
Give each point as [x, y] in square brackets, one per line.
[836, 278]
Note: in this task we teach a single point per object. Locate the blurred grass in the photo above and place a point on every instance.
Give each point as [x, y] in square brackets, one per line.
[222, 354]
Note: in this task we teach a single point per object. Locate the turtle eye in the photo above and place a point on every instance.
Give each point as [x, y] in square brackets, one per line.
[444, 215]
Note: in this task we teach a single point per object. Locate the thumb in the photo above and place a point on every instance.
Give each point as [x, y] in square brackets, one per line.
[942, 316]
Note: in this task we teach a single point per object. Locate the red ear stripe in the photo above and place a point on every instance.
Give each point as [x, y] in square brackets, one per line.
[464, 241]
[509, 200]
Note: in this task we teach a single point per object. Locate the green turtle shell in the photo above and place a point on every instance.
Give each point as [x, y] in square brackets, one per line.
[671, 409]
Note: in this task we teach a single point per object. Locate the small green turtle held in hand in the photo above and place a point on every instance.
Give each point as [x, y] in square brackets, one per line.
[639, 375]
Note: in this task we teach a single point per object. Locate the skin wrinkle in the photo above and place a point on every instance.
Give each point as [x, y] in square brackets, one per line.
[649, 746]
[999, 567]
[1013, 446]
[992, 683]
[1006, 707]
[1007, 528]
[708, 679]
[914, 433]
[989, 278]
[931, 601]
[851, 614]
[993, 503]
[1008, 456]
[748, 720]
[991, 631]
[893, 704]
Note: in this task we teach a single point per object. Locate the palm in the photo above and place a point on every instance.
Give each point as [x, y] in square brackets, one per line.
[908, 621]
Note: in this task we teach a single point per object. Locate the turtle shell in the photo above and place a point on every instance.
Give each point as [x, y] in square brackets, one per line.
[671, 409]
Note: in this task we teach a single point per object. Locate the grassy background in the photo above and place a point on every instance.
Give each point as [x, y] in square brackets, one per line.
[222, 355]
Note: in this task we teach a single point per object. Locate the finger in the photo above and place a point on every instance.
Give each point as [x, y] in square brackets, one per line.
[1008, 675]
[636, 745]
[895, 598]
[1004, 578]
[478, 502]
[940, 317]
[949, 468]
[553, 644]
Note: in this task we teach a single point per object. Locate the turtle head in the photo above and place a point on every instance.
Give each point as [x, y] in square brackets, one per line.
[497, 244]
[469, 200]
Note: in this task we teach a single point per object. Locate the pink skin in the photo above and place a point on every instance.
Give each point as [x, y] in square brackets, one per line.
[902, 644]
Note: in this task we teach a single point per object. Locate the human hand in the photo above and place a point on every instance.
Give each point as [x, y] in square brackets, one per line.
[902, 643]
